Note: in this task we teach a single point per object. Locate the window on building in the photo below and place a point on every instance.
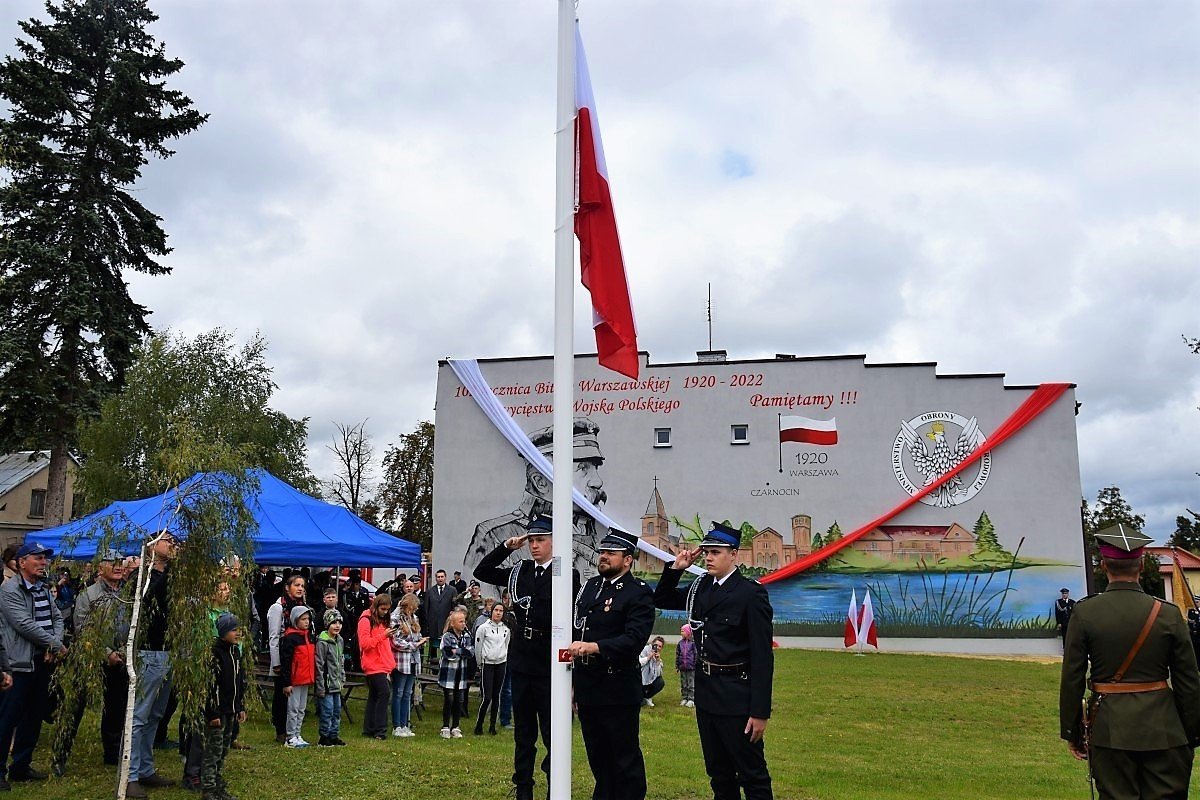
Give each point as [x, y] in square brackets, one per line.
[739, 434]
[37, 503]
[662, 437]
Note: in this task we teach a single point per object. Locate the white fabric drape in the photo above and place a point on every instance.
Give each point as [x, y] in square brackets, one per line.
[468, 373]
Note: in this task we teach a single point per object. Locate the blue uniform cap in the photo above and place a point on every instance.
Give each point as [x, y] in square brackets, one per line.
[722, 536]
[541, 524]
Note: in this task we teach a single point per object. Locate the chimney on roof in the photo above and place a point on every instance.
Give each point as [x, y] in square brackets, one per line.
[711, 356]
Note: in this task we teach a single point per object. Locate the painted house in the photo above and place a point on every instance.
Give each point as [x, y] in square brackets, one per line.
[914, 542]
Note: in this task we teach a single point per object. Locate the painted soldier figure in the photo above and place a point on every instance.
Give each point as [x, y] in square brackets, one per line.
[529, 584]
[1063, 607]
[1139, 730]
[613, 617]
[730, 616]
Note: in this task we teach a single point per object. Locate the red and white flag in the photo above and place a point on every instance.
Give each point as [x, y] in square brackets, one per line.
[866, 626]
[808, 431]
[850, 637]
[601, 265]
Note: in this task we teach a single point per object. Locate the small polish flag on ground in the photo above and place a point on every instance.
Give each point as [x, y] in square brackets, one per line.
[850, 637]
[866, 626]
[808, 431]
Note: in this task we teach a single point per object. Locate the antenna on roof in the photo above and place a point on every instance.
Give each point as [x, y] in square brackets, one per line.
[710, 315]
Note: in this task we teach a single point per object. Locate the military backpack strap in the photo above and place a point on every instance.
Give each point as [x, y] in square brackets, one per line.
[1120, 673]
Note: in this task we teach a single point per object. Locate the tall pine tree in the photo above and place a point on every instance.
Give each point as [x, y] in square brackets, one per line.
[88, 103]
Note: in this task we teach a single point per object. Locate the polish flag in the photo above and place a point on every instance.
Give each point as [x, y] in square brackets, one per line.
[850, 637]
[866, 626]
[600, 262]
[808, 431]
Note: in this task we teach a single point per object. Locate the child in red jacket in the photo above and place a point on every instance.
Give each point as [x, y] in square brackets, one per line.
[298, 670]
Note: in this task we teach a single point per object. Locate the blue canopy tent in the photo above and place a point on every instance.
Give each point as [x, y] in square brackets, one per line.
[293, 528]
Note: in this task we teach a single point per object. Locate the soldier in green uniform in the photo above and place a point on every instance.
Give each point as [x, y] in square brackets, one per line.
[1141, 729]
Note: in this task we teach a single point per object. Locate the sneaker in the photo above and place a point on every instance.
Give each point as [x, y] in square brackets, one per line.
[324, 741]
[398, 731]
[648, 703]
[295, 743]
[191, 784]
[456, 733]
[337, 740]
[408, 733]
[691, 703]
[445, 733]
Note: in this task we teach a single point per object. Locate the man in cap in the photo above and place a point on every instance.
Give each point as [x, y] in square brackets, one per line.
[529, 582]
[355, 600]
[33, 639]
[101, 621]
[457, 583]
[730, 617]
[538, 499]
[1139, 731]
[613, 616]
[153, 670]
[1063, 607]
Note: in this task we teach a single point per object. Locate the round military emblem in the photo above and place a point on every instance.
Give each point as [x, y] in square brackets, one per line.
[931, 444]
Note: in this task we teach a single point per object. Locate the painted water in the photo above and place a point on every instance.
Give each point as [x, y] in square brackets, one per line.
[824, 596]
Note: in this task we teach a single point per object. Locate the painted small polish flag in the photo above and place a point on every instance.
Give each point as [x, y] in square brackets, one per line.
[866, 626]
[850, 637]
[808, 431]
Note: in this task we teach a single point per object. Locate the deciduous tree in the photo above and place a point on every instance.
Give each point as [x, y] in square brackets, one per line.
[87, 103]
[183, 400]
[354, 452]
[406, 490]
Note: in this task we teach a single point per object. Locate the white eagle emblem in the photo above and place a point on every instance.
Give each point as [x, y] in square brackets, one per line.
[942, 459]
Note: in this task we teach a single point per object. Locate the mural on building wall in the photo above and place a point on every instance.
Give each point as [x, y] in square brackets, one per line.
[765, 449]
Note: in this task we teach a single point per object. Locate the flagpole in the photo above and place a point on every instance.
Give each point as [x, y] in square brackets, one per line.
[564, 390]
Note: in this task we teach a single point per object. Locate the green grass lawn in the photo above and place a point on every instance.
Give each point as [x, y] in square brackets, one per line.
[843, 727]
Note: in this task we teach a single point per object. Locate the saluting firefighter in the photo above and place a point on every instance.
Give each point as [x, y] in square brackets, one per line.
[1141, 730]
[730, 616]
[613, 616]
[529, 586]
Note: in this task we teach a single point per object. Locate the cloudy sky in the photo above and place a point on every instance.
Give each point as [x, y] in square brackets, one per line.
[996, 186]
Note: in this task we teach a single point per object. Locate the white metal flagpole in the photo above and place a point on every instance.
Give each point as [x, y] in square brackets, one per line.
[564, 379]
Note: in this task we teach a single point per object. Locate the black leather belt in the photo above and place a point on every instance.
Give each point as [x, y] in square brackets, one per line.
[535, 633]
[596, 662]
[709, 668]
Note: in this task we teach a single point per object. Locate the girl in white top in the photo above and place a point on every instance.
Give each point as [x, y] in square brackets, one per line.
[491, 649]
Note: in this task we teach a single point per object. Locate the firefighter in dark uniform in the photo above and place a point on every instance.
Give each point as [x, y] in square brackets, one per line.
[1141, 730]
[730, 616]
[613, 616]
[529, 586]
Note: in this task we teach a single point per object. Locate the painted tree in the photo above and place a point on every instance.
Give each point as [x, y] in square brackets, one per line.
[985, 537]
[87, 105]
[406, 490]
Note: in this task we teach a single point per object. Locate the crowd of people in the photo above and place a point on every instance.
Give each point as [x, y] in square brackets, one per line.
[315, 635]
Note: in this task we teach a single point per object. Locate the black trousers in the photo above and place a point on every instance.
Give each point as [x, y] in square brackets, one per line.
[1142, 774]
[112, 717]
[614, 751]
[21, 715]
[531, 714]
[731, 760]
[491, 682]
[379, 701]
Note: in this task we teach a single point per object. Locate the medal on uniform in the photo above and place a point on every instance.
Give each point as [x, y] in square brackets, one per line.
[608, 605]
